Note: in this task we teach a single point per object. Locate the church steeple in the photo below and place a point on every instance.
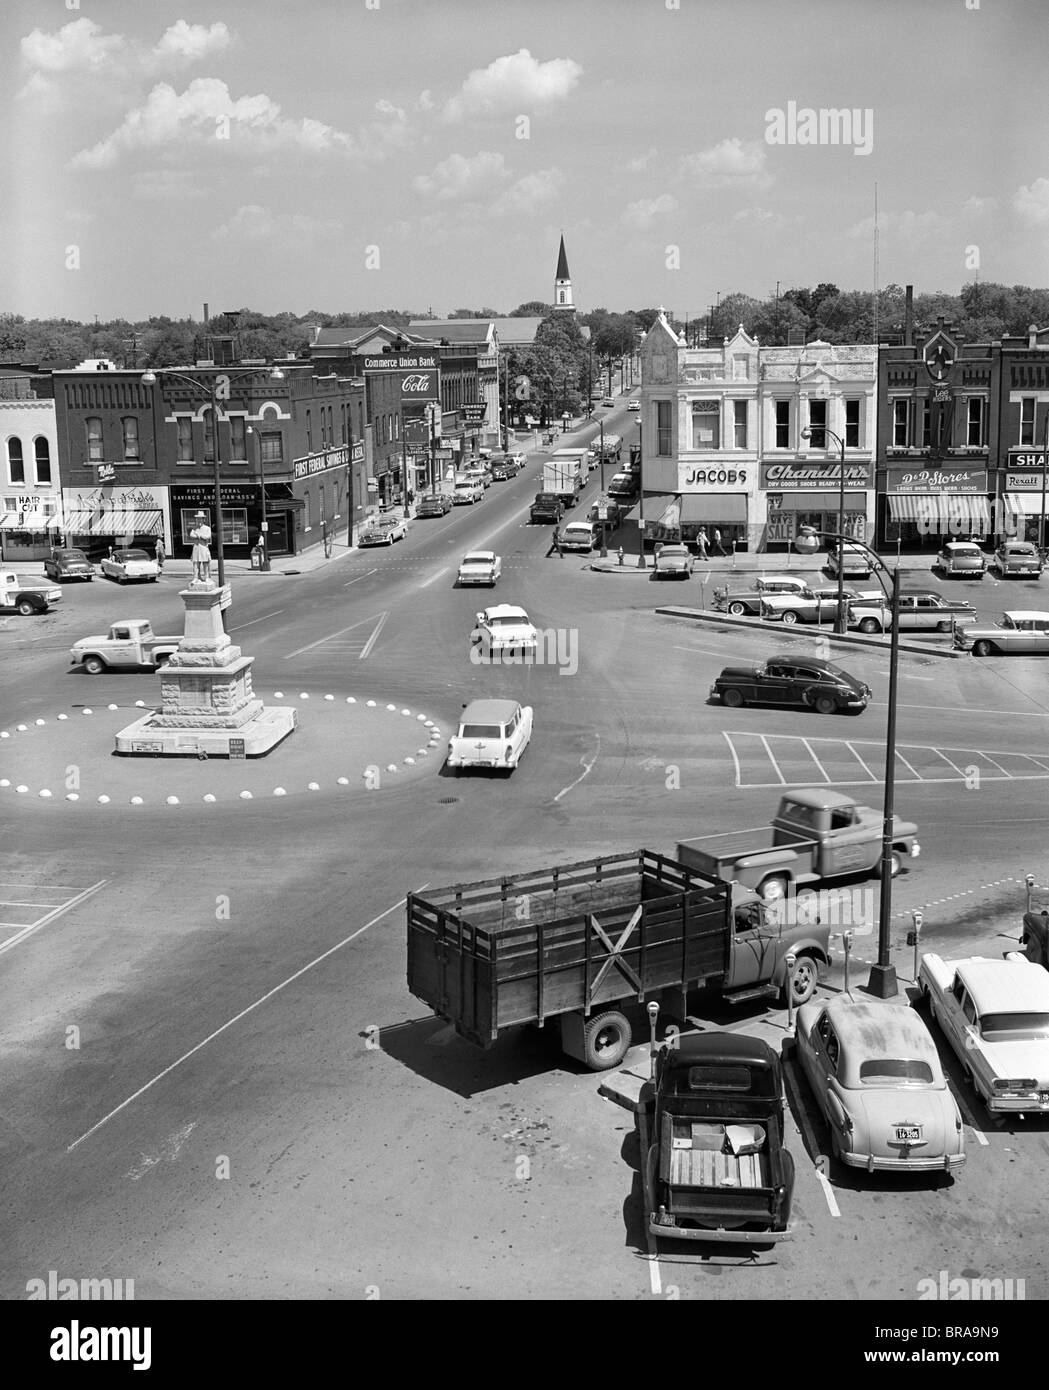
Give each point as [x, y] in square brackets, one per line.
[563, 283]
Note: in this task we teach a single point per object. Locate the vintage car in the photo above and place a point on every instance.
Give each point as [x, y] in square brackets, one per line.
[1017, 558]
[922, 611]
[504, 630]
[503, 469]
[608, 401]
[995, 1015]
[68, 564]
[634, 405]
[673, 562]
[479, 470]
[383, 531]
[622, 485]
[467, 491]
[808, 681]
[548, 506]
[961, 557]
[855, 559]
[716, 1168]
[491, 733]
[748, 602]
[126, 566]
[818, 604]
[579, 535]
[1017, 632]
[877, 1079]
[480, 567]
[433, 504]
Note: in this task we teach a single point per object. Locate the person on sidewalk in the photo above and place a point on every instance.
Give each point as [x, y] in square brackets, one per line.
[702, 542]
[555, 544]
[161, 555]
[717, 543]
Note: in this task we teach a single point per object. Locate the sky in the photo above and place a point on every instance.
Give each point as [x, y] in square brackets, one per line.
[427, 154]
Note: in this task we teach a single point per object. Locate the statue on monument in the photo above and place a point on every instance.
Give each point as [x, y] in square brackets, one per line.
[201, 554]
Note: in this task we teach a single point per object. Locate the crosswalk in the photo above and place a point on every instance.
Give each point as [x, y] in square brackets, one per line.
[356, 640]
[780, 760]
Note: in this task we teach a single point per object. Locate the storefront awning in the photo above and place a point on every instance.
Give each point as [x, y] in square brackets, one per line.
[112, 523]
[28, 521]
[656, 504]
[828, 501]
[955, 511]
[713, 506]
[1025, 503]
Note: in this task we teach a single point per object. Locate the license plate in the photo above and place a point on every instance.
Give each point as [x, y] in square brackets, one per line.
[908, 1134]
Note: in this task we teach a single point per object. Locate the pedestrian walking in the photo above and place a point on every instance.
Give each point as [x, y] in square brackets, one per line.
[717, 542]
[702, 542]
[161, 555]
[409, 499]
[555, 544]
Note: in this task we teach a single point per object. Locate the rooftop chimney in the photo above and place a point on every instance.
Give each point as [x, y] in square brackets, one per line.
[908, 317]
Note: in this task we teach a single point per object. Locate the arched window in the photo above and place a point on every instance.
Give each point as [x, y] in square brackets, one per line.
[15, 461]
[42, 450]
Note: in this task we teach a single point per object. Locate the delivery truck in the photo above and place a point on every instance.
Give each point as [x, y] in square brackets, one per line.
[580, 456]
[562, 477]
[582, 943]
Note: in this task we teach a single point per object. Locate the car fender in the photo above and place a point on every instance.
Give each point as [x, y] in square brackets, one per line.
[799, 946]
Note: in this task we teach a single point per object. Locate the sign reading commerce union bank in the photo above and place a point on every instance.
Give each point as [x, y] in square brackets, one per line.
[810, 477]
[402, 362]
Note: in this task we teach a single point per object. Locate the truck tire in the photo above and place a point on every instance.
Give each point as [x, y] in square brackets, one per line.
[790, 617]
[806, 978]
[606, 1040]
[94, 665]
[895, 864]
[982, 648]
[26, 607]
[826, 704]
[870, 625]
[733, 698]
[161, 659]
[774, 888]
[737, 610]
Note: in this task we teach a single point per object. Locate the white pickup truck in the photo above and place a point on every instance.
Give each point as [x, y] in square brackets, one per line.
[25, 595]
[131, 643]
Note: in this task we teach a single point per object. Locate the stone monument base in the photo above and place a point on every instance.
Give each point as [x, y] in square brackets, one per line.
[253, 739]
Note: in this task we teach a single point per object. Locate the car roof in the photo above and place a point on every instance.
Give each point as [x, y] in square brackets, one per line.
[1017, 545]
[506, 610]
[1004, 986]
[822, 798]
[478, 555]
[880, 1029]
[962, 545]
[489, 712]
[799, 659]
[1020, 614]
[723, 1047]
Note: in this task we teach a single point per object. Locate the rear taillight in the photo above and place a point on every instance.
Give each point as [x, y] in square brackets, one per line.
[507, 752]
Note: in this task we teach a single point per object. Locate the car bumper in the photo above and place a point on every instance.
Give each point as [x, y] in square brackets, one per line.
[477, 579]
[1001, 1105]
[719, 1234]
[930, 1163]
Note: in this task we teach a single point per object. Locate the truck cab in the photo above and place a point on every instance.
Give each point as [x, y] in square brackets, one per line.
[129, 643]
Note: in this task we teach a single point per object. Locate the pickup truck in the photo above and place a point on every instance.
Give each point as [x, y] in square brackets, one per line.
[131, 643]
[548, 506]
[716, 1168]
[817, 833]
[576, 942]
[26, 596]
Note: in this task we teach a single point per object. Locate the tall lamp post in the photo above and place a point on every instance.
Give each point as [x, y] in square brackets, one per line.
[640, 498]
[210, 394]
[882, 981]
[264, 526]
[1045, 461]
[839, 612]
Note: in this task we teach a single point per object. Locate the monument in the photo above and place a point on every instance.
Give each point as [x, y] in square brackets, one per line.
[207, 705]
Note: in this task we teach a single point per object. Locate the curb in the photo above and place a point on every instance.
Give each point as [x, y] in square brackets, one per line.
[701, 615]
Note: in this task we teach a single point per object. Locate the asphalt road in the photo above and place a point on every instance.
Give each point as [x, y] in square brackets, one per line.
[215, 1080]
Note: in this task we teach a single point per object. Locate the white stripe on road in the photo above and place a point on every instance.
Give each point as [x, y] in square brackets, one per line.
[434, 576]
[258, 620]
[585, 772]
[816, 760]
[861, 762]
[359, 578]
[828, 1192]
[917, 774]
[50, 916]
[341, 633]
[230, 1022]
[373, 638]
[735, 758]
[655, 1282]
[908, 675]
[705, 651]
[950, 762]
[772, 760]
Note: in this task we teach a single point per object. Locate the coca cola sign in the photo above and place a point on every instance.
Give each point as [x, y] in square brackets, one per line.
[418, 385]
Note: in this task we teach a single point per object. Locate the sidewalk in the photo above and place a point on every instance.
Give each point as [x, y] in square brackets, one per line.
[761, 563]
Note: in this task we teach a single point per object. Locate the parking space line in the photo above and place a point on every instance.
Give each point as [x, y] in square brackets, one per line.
[917, 775]
[359, 578]
[816, 760]
[27, 930]
[861, 762]
[772, 759]
[940, 754]
[735, 757]
[373, 638]
[828, 1192]
[274, 614]
[981, 754]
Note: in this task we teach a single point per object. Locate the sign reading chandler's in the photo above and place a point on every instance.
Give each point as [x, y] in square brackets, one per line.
[321, 463]
[813, 476]
[402, 362]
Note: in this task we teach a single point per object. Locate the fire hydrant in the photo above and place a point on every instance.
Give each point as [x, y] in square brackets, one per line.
[620, 554]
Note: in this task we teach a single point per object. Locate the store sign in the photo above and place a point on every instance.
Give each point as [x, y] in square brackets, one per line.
[203, 495]
[690, 478]
[105, 473]
[357, 451]
[814, 476]
[419, 386]
[473, 414]
[936, 480]
[321, 463]
[402, 362]
[1033, 461]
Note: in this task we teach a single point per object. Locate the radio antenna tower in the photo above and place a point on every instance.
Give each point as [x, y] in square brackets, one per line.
[875, 265]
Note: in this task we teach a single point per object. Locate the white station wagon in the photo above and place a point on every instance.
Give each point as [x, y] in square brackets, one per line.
[504, 629]
[491, 733]
[480, 567]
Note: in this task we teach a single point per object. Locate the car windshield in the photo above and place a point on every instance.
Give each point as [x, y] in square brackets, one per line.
[132, 555]
[480, 731]
[72, 555]
[895, 1071]
[506, 622]
[1014, 1027]
[477, 559]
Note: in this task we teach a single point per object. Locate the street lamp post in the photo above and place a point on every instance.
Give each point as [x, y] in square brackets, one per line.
[640, 498]
[839, 612]
[1045, 461]
[264, 526]
[882, 980]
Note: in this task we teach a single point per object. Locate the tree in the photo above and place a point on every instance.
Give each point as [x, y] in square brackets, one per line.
[533, 308]
[476, 314]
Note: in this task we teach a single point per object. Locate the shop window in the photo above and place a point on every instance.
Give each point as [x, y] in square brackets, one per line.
[272, 447]
[664, 429]
[238, 439]
[974, 421]
[15, 463]
[783, 424]
[129, 425]
[852, 423]
[185, 439]
[93, 428]
[739, 424]
[706, 425]
[234, 526]
[42, 450]
[818, 424]
[900, 423]
[1027, 420]
[209, 437]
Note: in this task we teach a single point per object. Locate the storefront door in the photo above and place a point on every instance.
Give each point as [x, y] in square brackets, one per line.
[277, 536]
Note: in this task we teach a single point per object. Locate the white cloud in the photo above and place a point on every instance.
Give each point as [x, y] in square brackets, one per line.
[252, 223]
[642, 214]
[903, 226]
[460, 177]
[159, 185]
[759, 217]
[199, 116]
[1031, 203]
[640, 162]
[77, 47]
[529, 193]
[184, 42]
[516, 82]
[732, 163]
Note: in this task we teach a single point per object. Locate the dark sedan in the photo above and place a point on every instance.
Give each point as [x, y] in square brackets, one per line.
[801, 681]
[68, 564]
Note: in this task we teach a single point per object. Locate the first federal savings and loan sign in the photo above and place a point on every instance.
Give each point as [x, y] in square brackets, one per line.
[321, 463]
[402, 362]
